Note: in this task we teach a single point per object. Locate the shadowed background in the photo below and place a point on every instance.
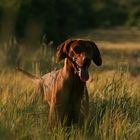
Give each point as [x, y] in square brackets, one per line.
[30, 19]
[28, 27]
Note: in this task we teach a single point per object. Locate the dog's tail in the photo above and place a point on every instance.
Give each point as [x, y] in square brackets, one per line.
[35, 79]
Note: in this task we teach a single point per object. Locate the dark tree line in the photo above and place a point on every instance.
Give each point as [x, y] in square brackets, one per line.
[58, 19]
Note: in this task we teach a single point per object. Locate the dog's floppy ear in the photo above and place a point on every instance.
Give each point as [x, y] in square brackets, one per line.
[96, 54]
[62, 50]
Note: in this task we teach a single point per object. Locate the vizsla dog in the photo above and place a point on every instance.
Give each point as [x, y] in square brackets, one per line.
[65, 89]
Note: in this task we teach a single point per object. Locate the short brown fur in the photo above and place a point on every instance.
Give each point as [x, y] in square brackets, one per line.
[65, 89]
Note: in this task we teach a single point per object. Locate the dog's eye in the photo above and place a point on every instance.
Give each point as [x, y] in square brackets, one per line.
[77, 49]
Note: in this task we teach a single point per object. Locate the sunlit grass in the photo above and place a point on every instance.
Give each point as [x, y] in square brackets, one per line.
[114, 110]
[113, 88]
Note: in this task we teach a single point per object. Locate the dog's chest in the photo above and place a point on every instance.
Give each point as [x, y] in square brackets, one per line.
[71, 91]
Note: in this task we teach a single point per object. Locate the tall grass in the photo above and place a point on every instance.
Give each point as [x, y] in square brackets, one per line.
[10, 53]
[114, 111]
[114, 98]
[40, 60]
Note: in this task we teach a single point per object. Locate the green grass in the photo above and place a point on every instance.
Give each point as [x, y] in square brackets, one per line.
[114, 111]
[113, 89]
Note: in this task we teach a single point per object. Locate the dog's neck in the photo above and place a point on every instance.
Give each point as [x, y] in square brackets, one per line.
[68, 68]
[69, 74]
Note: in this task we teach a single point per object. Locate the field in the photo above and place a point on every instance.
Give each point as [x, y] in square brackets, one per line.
[114, 90]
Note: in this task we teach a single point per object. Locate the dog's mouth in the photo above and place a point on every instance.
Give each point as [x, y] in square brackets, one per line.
[83, 70]
[83, 73]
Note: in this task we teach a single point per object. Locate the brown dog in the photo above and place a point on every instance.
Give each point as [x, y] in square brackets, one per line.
[65, 89]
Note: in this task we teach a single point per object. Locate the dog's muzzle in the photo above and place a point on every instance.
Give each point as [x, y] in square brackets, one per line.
[83, 70]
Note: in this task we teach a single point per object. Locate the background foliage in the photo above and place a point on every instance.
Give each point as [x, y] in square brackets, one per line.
[59, 19]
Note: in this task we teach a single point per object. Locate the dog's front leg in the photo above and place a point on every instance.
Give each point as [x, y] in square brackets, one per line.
[84, 107]
[51, 117]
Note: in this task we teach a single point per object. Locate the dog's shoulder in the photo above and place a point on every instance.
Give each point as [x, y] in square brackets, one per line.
[50, 77]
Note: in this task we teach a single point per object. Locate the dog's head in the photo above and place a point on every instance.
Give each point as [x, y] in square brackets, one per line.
[80, 53]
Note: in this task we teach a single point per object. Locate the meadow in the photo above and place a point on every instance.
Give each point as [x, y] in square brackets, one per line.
[114, 90]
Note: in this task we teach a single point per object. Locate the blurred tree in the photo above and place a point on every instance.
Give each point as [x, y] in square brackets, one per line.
[59, 19]
[108, 13]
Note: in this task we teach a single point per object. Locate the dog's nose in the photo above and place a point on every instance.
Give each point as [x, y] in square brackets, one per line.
[86, 62]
